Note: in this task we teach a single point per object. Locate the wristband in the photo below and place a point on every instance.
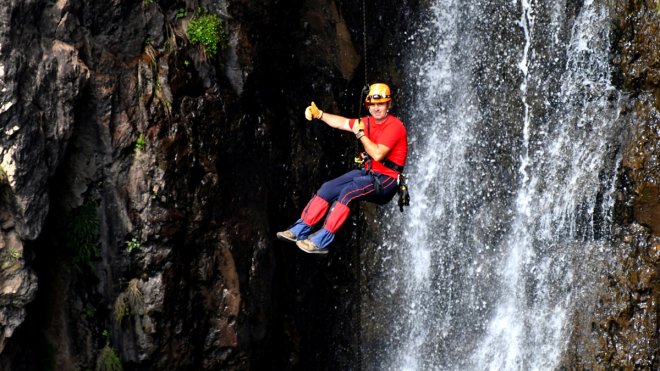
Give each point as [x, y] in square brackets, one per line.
[359, 134]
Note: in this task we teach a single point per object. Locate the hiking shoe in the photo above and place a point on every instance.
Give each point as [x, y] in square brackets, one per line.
[287, 236]
[309, 247]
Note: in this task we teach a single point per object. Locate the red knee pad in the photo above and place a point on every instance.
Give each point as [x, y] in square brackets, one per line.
[337, 216]
[314, 210]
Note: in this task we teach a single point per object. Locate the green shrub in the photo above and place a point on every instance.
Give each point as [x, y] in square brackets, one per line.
[140, 143]
[81, 235]
[12, 255]
[181, 13]
[135, 298]
[89, 311]
[208, 31]
[121, 309]
[130, 301]
[133, 244]
[108, 360]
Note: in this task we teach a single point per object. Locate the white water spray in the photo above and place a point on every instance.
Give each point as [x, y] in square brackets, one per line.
[514, 140]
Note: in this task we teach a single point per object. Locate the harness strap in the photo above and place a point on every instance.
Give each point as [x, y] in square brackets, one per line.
[391, 165]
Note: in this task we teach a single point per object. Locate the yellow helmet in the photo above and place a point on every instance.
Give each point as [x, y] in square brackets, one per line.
[378, 93]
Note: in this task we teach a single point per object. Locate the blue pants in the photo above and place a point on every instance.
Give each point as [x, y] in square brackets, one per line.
[356, 185]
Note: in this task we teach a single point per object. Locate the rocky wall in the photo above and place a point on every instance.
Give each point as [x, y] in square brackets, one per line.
[620, 329]
[143, 181]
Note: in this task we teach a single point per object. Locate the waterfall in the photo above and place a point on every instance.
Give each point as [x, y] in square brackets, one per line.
[514, 144]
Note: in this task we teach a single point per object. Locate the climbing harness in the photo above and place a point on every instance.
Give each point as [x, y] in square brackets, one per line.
[361, 158]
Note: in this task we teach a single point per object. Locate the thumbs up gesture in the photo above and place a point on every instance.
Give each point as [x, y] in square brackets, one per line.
[313, 112]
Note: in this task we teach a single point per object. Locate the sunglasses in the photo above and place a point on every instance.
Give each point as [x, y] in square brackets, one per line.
[377, 96]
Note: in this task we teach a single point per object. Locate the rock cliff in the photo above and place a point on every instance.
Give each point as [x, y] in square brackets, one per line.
[620, 330]
[143, 180]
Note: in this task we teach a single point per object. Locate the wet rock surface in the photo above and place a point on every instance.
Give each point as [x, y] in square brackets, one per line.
[620, 330]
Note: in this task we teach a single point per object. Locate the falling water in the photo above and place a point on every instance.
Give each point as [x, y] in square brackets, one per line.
[514, 142]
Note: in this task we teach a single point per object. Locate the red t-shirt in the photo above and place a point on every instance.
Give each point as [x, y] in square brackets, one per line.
[390, 133]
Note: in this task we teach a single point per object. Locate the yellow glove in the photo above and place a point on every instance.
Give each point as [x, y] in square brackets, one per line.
[312, 112]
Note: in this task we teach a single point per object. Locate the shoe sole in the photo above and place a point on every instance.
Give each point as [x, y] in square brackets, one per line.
[315, 251]
[285, 238]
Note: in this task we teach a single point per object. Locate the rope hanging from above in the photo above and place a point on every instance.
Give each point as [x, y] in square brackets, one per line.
[365, 89]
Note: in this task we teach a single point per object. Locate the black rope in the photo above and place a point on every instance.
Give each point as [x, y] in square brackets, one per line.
[358, 269]
[364, 40]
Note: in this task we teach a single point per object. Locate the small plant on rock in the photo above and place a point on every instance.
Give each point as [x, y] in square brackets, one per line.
[13, 255]
[208, 30]
[181, 13]
[133, 244]
[121, 309]
[135, 298]
[130, 301]
[89, 311]
[108, 360]
[140, 143]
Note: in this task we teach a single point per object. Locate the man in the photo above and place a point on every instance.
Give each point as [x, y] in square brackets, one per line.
[385, 141]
